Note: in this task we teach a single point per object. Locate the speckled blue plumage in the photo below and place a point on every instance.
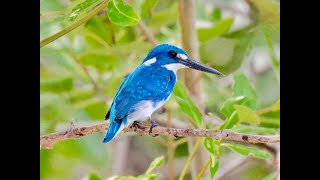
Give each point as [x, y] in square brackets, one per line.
[153, 83]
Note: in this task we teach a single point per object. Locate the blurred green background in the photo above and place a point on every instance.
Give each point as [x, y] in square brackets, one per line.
[81, 72]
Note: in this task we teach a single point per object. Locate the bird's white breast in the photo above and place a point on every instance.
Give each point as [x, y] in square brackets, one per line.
[143, 110]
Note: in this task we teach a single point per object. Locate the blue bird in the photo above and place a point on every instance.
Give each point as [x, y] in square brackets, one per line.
[148, 87]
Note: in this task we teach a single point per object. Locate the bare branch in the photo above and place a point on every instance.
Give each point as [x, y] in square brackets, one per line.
[149, 35]
[76, 132]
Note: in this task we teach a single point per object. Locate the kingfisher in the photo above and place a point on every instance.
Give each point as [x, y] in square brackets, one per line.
[148, 87]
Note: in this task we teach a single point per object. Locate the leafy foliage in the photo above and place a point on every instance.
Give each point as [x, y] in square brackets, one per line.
[246, 151]
[122, 14]
[181, 96]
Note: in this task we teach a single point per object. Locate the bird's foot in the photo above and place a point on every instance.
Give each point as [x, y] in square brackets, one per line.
[135, 125]
[153, 124]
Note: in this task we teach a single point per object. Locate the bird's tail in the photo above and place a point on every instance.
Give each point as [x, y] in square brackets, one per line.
[113, 130]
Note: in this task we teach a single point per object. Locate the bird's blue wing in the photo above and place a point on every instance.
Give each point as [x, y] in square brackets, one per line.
[144, 84]
[125, 81]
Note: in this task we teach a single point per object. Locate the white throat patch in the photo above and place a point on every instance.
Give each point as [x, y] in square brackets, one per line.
[174, 66]
[150, 61]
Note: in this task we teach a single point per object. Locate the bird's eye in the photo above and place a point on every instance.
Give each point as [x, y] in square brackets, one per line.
[172, 54]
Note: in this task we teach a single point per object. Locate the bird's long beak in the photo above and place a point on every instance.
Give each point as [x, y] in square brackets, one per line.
[198, 66]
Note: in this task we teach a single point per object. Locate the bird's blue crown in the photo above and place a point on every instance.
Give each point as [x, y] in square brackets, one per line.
[164, 53]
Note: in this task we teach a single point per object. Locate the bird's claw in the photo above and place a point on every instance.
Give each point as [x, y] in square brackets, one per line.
[135, 125]
[153, 124]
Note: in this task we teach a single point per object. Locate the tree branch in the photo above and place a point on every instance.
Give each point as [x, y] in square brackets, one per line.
[73, 133]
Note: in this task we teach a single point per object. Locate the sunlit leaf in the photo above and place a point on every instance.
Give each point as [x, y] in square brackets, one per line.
[223, 26]
[247, 151]
[122, 14]
[228, 106]
[246, 114]
[181, 96]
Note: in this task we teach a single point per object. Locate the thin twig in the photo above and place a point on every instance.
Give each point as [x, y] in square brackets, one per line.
[47, 140]
[76, 24]
[196, 146]
[85, 70]
[149, 35]
[180, 141]
[203, 170]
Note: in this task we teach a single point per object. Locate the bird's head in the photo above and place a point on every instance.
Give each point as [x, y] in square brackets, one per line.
[174, 58]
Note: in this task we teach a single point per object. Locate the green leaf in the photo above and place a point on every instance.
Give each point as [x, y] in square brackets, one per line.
[146, 7]
[159, 161]
[97, 32]
[218, 51]
[254, 130]
[223, 26]
[242, 87]
[92, 176]
[216, 14]
[246, 114]
[228, 106]
[101, 62]
[122, 14]
[181, 96]
[214, 166]
[56, 85]
[81, 8]
[246, 151]
[270, 122]
[230, 122]
[243, 94]
[212, 146]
